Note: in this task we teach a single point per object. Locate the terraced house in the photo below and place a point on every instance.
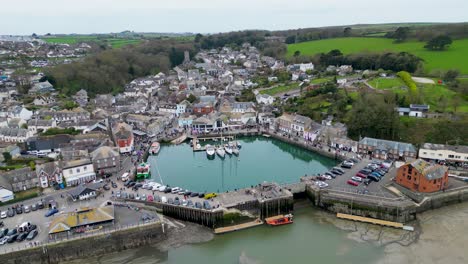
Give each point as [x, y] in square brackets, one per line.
[386, 149]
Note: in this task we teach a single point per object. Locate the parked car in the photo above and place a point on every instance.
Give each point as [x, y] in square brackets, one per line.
[19, 210]
[327, 176]
[32, 235]
[106, 187]
[176, 190]
[321, 184]
[170, 201]
[21, 237]
[40, 205]
[336, 172]
[190, 203]
[374, 178]
[11, 232]
[143, 197]
[351, 182]
[51, 212]
[3, 240]
[194, 194]
[12, 238]
[131, 184]
[163, 199]
[162, 188]
[3, 214]
[157, 198]
[367, 181]
[150, 198]
[365, 171]
[375, 174]
[338, 169]
[346, 165]
[3, 232]
[210, 195]
[114, 185]
[198, 205]
[168, 190]
[322, 178]
[10, 212]
[361, 175]
[201, 195]
[176, 201]
[356, 179]
[34, 207]
[207, 205]
[27, 209]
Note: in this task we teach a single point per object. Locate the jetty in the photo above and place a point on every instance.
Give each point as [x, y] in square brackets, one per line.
[233, 228]
[179, 140]
[374, 221]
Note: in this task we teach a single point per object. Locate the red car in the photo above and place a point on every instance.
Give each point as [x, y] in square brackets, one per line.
[353, 182]
[361, 175]
[150, 198]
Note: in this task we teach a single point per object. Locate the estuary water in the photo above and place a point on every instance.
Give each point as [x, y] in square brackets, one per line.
[261, 159]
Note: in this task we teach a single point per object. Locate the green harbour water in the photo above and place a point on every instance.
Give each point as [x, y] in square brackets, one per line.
[261, 159]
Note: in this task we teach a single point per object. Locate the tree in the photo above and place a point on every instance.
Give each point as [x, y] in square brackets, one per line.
[290, 39]
[438, 43]
[198, 37]
[401, 34]
[347, 31]
[456, 103]
[7, 156]
[191, 98]
[69, 105]
[297, 53]
[451, 75]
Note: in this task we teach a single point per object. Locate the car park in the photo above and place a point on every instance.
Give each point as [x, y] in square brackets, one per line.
[356, 179]
[351, 182]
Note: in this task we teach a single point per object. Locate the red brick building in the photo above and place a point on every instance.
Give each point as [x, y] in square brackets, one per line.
[123, 136]
[421, 176]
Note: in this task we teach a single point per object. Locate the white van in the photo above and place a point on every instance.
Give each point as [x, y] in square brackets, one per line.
[24, 227]
[125, 176]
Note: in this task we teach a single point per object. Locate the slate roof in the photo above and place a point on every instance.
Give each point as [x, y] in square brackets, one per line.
[382, 144]
[429, 171]
[82, 217]
[104, 152]
[459, 149]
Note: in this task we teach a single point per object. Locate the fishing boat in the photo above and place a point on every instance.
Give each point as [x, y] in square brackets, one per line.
[228, 149]
[143, 171]
[280, 220]
[238, 144]
[220, 151]
[155, 147]
[210, 151]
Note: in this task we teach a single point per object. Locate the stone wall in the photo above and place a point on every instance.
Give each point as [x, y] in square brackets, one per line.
[87, 247]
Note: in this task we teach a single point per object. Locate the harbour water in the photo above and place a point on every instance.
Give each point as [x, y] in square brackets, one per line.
[261, 159]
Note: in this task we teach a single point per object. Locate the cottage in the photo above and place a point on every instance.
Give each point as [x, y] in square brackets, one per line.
[265, 99]
[421, 176]
[300, 123]
[21, 179]
[414, 110]
[40, 125]
[284, 123]
[386, 149]
[49, 174]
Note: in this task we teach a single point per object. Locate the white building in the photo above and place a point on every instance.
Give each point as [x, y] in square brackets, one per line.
[265, 99]
[6, 195]
[78, 171]
[442, 152]
[306, 66]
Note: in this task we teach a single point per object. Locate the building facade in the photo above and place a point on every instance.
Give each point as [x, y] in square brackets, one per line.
[421, 176]
[78, 171]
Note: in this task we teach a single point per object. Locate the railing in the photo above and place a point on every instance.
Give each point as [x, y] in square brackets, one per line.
[55, 240]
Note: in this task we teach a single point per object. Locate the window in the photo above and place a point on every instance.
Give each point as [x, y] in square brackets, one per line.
[450, 156]
[84, 168]
[70, 171]
[424, 152]
[435, 181]
[77, 170]
[408, 177]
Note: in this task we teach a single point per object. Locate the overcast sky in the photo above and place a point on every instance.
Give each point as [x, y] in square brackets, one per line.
[210, 16]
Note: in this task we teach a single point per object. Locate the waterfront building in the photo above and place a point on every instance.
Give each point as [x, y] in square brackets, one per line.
[386, 149]
[421, 176]
[83, 218]
[444, 153]
[106, 159]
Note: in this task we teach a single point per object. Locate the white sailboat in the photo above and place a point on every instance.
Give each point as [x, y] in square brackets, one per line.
[228, 149]
[210, 151]
[220, 151]
[235, 151]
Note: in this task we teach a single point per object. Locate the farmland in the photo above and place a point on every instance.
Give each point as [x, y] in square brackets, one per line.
[448, 59]
[73, 39]
[280, 89]
[386, 83]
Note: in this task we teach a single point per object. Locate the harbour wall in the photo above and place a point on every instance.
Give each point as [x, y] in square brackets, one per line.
[86, 247]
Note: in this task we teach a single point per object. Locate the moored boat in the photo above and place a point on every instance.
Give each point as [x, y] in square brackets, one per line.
[220, 151]
[280, 220]
[235, 151]
[210, 151]
[228, 149]
[143, 171]
[155, 147]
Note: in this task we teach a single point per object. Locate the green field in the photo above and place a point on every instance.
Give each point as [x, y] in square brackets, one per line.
[280, 89]
[386, 83]
[452, 58]
[114, 42]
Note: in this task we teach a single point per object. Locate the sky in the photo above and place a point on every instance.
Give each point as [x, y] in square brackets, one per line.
[24, 17]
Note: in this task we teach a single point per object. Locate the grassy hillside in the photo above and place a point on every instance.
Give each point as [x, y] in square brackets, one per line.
[114, 42]
[448, 59]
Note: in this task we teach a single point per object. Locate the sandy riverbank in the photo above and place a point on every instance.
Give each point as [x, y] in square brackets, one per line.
[439, 237]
